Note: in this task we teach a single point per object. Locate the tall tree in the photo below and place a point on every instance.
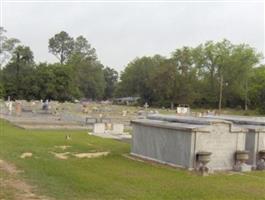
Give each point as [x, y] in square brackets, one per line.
[90, 79]
[18, 72]
[243, 60]
[136, 77]
[83, 50]
[111, 78]
[62, 46]
[257, 89]
[185, 75]
[163, 83]
[7, 46]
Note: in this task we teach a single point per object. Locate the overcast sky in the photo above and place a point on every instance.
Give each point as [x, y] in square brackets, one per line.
[122, 31]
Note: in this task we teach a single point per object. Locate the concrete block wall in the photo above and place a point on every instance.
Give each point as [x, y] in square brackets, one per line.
[255, 137]
[223, 143]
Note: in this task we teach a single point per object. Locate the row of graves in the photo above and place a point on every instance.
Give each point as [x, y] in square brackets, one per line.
[101, 120]
[37, 115]
[205, 144]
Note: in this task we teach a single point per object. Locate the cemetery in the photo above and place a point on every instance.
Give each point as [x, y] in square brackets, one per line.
[131, 145]
[113, 100]
[178, 140]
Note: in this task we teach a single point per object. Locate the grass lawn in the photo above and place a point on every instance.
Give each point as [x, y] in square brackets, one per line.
[113, 176]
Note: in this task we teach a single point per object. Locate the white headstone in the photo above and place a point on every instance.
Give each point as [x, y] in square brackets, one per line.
[99, 128]
[10, 107]
[118, 129]
[124, 113]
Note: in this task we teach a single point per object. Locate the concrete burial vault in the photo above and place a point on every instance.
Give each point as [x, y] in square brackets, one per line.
[177, 140]
[255, 137]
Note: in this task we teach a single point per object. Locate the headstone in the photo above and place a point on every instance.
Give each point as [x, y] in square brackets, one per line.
[18, 108]
[10, 107]
[85, 108]
[33, 106]
[118, 129]
[183, 110]
[99, 128]
[146, 105]
[45, 105]
[109, 126]
[124, 113]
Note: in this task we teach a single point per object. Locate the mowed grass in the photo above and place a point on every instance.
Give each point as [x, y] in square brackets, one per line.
[113, 176]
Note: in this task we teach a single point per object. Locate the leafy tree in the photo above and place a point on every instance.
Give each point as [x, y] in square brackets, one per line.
[62, 46]
[111, 78]
[18, 72]
[7, 46]
[83, 50]
[91, 80]
[242, 62]
[55, 82]
[163, 83]
[207, 59]
[257, 89]
[185, 75]
[136, 77]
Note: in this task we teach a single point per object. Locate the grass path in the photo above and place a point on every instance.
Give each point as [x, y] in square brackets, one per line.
[112, 176]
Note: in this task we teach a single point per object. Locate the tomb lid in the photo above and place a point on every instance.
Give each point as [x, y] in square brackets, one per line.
[242, 120]
[186, 119]
[172, 125]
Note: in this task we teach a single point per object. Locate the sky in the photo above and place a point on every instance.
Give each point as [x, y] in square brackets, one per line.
[121, 31]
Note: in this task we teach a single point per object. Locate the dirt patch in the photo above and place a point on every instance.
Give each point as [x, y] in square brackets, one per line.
[7, 167]
[91, 155]
[62, 156]
[20, 189]
[65, 155]
[63, 147]
[26, 155]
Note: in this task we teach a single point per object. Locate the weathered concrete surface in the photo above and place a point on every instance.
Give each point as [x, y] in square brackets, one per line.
[163, 142]
[176, 140]
[255, 138]
[242, 120]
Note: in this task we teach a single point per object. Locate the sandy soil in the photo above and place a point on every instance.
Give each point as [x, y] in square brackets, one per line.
[91, 155]
[64, 155]
[26, 155]
[20, 189]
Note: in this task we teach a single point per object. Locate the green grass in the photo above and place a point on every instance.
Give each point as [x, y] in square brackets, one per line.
[113, 176]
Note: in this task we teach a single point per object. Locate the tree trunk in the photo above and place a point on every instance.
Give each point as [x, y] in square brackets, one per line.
[221, 92]
[246, 96]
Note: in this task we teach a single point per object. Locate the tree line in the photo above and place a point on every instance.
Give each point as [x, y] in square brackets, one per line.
[210, 75]
[78, 74]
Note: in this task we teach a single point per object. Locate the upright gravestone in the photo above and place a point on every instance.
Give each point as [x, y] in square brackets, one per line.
[18, 109]
[99, 128]
[124, 113]
[118, 129]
